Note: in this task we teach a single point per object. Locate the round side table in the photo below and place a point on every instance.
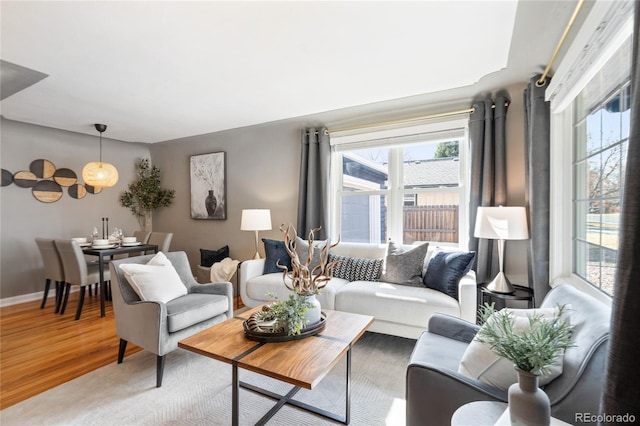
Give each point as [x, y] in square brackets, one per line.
[520, 293]
[479, 413]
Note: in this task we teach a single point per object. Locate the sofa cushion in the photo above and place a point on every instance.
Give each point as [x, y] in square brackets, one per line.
[275, 252]
[356, 268]
[192, 308]
[258, 287]
[480, 362]
[209, 257]
[445, 270]
[404, 266]
[302, 249]
[394, 303]
[157, 280]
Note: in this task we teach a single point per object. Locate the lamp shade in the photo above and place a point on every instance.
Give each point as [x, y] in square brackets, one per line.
[501, 223]
[99, 174]
[255, 220]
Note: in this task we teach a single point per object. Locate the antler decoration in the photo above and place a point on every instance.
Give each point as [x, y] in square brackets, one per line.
[303, 281]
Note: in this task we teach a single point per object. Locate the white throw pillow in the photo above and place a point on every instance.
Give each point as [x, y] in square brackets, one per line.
[156, 281]
[481, 363]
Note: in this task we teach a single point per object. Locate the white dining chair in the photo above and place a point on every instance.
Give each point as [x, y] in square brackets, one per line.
[162, 240]
[53, 270]
[77, 272]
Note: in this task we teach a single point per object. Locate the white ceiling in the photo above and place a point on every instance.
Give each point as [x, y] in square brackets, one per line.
[156, 71]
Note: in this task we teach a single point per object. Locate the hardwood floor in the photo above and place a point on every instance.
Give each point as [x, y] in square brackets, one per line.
[40, 349]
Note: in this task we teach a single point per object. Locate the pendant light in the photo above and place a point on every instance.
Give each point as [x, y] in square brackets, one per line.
[97, 173]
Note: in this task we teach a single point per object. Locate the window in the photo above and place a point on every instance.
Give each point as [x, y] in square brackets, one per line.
[407, 187]
[589, 96]
[601, 134]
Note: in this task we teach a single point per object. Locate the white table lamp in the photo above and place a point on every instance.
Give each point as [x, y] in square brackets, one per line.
[501, 223]
[256, 220]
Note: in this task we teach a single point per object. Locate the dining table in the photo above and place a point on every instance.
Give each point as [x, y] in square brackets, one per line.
[109, 252]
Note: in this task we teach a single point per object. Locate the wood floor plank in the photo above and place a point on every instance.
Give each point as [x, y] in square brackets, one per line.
[40, 349]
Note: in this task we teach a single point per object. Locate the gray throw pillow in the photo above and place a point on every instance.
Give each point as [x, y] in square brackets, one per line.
[356, 268]
[404, 267]
[302, 249]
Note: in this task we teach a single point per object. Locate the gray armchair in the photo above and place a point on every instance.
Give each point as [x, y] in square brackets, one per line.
[435, 389]
[157, 327]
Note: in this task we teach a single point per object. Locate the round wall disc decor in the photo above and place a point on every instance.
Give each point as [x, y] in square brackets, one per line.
[7, 177]
[65, 177]
[93, 189]
[43, 169]
[25, 179]
[47, 191]
[77, 191]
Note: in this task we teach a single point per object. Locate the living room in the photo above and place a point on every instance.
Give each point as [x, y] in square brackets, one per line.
[262, 158]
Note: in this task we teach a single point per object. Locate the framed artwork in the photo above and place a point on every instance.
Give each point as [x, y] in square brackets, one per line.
[208, 186]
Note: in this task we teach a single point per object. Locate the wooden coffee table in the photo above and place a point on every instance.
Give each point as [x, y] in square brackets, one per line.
[312, 359]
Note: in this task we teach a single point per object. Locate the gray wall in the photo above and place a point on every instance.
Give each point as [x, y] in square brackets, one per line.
[262, 167]
[23, 218]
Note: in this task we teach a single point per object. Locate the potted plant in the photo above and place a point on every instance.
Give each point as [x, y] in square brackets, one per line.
[532, 351]
[146, 195]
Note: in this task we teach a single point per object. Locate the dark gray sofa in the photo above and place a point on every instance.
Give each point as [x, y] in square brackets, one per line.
[435, 389]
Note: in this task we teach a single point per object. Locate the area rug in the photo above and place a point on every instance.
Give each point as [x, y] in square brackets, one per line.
[197, 391]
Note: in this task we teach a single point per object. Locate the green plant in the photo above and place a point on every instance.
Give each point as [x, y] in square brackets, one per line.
[532, 350]
[287, 314]
[145, 195]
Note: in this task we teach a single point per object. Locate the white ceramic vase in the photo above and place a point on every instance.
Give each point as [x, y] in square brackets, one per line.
[528, 404]
[313, 314]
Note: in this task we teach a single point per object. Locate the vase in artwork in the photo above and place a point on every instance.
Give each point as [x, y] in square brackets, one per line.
[313, 314]
[528, 404]
[211, 203]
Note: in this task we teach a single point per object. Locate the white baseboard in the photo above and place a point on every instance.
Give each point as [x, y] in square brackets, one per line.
[23, 298]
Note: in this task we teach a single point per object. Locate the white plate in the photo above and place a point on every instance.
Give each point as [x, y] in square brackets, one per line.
[84, 244]
[106, 246]
[137, 243]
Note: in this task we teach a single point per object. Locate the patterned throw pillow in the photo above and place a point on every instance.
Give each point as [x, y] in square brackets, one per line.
[275, 251]
[356, 268]
[209, 257]
[404, 267]
[445, 270]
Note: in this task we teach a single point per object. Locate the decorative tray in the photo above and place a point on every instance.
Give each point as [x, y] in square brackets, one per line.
[283, 336]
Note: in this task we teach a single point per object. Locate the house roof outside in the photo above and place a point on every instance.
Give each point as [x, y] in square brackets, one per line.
[436, 172]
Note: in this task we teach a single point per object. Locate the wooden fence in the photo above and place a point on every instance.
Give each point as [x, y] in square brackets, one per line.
[430, 223]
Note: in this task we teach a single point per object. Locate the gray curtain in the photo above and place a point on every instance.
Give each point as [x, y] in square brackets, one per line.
[537, 175]
[622, 389]
[313, 200]
[487, 139]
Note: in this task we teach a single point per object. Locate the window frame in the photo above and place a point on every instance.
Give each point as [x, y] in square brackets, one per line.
[456, 127]
[604, 31]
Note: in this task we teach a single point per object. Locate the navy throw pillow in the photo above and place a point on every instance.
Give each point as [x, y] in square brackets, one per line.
[275, 252]
[209, 257]
[445, 270]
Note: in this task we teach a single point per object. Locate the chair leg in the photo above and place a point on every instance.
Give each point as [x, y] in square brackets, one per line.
[123, 347]
[67, 290]
[47, 284]
[80, 302]
[59, 295]
[90, 291]
[159, 370]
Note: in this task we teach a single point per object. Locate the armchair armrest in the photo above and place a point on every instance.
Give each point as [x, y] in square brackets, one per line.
[141, 322]
[452, 327]
[223, 288]
[249, 269]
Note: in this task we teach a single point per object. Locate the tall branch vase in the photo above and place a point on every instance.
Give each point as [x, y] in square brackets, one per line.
[528, 404]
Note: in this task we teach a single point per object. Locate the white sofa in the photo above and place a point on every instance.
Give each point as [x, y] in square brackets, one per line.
[398, 309]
